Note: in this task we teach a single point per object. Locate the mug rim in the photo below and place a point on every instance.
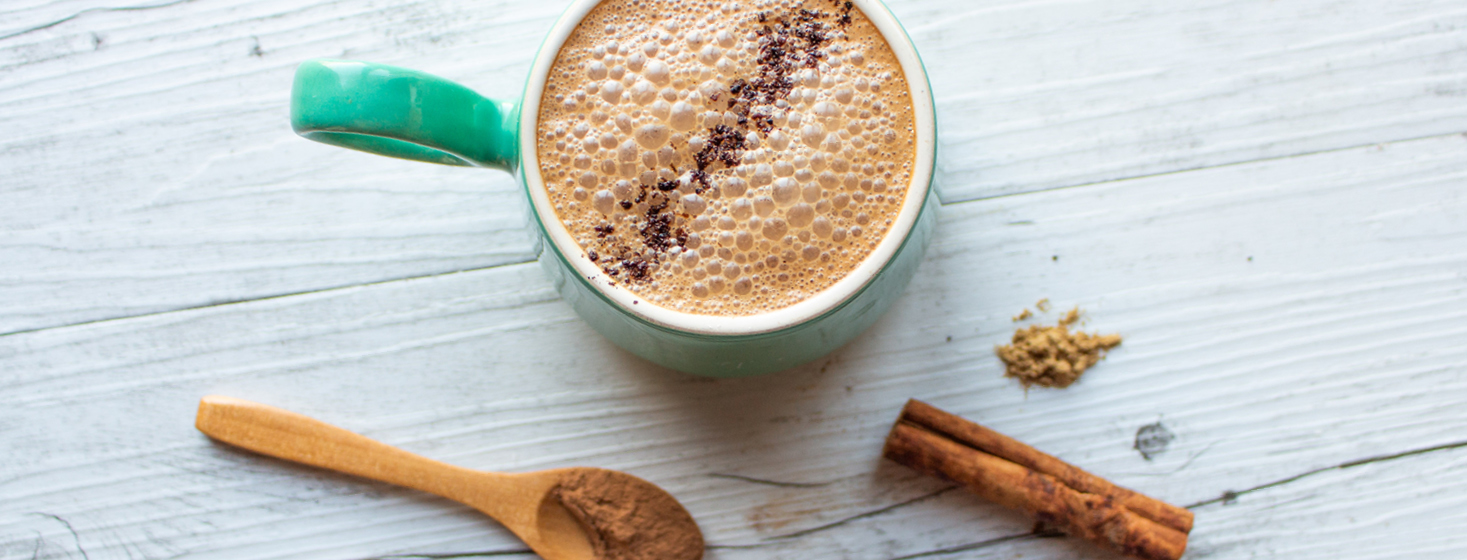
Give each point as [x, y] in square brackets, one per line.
[813, 307]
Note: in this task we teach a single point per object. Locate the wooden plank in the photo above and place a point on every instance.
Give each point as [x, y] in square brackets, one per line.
[146, 165]
[1336, 342]
[1035, 95]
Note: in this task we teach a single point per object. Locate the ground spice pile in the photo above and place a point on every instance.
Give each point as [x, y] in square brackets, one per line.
[627, 518]
[1052, 356]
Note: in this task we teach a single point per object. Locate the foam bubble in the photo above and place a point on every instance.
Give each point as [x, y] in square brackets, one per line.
[812, 134]
[811, 192]
[802, 205]
[741, 209]
[604, 202]
[785, 191]
[682, 116]
[822, 227]
[801, 215]
[764, 206]
[763, 175]
[627, 152]
[657, 72]
[643, 92]
[735, 187]
[710, 55]
[596, 70]
[695, 204]
[775, 228]
[652, 135]
[778, 140]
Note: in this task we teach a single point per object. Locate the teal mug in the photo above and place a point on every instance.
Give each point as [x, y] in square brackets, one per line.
[411, 115]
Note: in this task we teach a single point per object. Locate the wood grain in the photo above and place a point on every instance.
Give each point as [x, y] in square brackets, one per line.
[147, 166]
[1282, 318]
[525, 503]
[148, 162]
[1063, 93]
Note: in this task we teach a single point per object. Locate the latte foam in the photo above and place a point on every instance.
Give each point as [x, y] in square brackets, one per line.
[726, 158]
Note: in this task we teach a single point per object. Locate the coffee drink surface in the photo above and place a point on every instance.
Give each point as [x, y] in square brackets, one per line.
[726, 158]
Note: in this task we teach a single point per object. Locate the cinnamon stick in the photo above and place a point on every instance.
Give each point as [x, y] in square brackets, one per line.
[1017, 476]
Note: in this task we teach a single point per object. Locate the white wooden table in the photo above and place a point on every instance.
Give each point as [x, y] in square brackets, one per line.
[1267, 199]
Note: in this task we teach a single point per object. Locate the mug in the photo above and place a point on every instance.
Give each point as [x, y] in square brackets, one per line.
[407, 114]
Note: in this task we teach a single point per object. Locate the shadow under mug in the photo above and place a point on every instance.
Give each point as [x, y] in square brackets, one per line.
[408, 114]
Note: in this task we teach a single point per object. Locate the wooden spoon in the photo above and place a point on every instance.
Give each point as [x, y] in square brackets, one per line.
[532, 505]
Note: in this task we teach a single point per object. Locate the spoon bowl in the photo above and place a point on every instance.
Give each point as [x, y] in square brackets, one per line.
[576, 513]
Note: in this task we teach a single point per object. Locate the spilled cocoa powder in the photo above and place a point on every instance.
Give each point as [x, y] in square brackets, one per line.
[627, 518]
[1052, 356]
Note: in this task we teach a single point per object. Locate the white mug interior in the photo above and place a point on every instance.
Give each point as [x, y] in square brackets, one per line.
[809, 308]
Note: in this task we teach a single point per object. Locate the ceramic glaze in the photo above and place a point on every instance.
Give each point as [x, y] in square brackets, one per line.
[412, 115]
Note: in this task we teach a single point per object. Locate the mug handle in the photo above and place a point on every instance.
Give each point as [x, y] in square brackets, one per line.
[402, 113]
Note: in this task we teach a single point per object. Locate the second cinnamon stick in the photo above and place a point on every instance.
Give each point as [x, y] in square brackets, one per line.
[1018, 476]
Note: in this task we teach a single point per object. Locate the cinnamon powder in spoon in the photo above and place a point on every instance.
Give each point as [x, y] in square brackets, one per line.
[628, 521]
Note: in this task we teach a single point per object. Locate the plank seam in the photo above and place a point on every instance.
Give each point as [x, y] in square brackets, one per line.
[1203, 168]
[771, 482]
[448, 555]
[264, 298]
[776, 539]
[88, 10]
[1230, 496]
[1226, 497]
[1039, 533]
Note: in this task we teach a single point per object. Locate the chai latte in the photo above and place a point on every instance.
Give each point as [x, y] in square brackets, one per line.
[726, 158]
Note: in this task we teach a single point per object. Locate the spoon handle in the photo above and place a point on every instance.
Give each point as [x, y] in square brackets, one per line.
[286, 435]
